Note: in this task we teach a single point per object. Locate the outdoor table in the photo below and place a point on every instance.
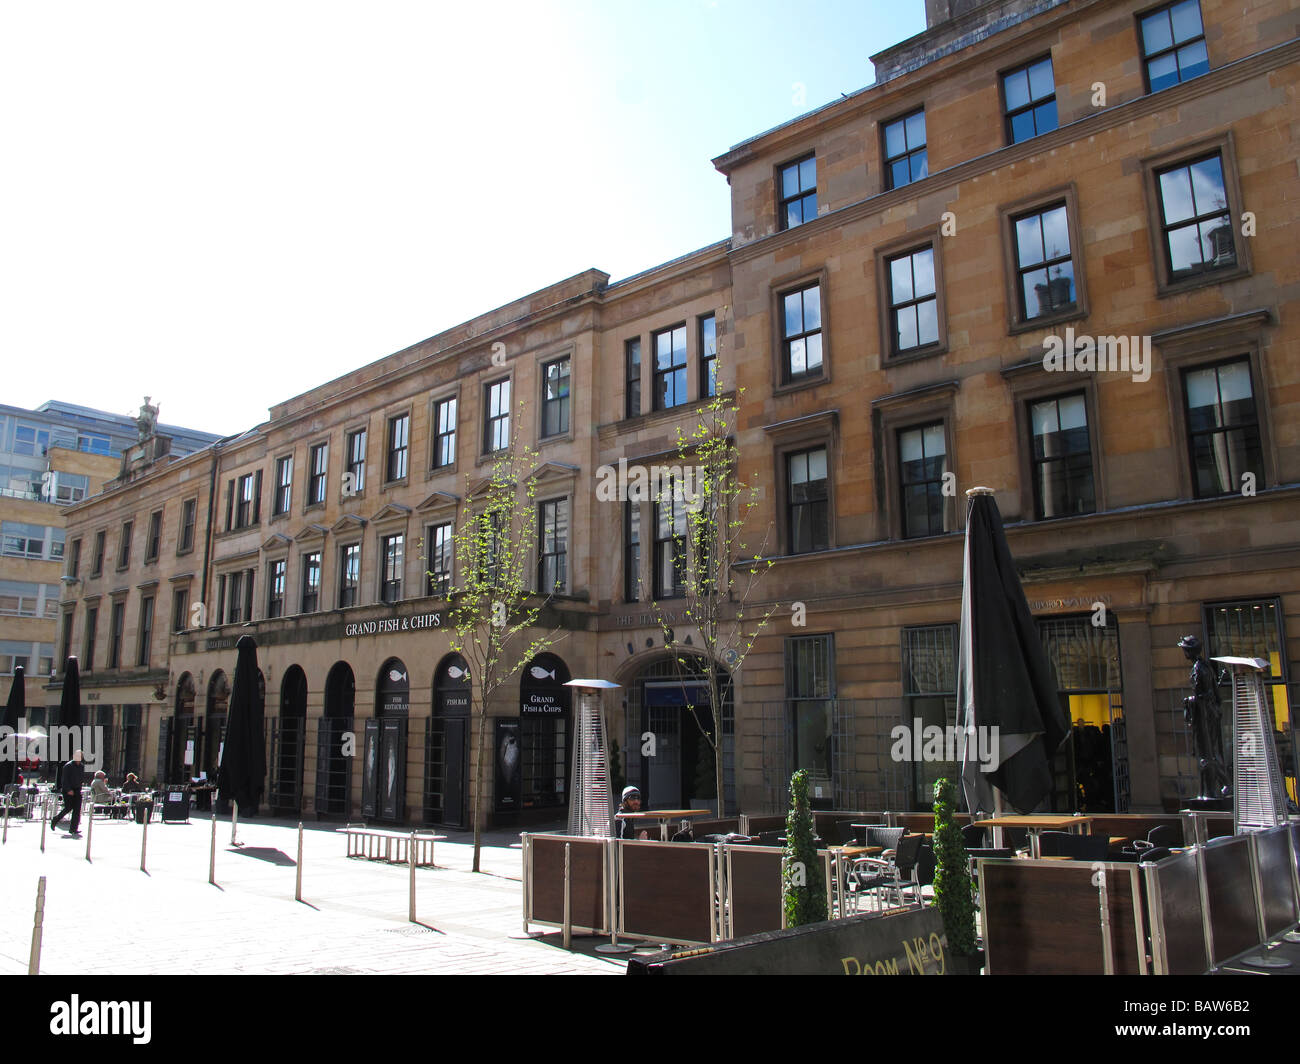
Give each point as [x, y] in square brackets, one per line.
[1034, 824]
[664, 816]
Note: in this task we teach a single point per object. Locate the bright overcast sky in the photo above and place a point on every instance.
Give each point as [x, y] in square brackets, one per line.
[223, 205]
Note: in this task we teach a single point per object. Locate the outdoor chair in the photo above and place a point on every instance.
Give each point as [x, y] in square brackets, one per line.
[1075, 847]
[845, 833]
[972, 835]
[889, 876]
[886, 838]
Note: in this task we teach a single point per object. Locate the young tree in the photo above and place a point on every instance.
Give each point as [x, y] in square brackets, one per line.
[706, 510]
[493, 609]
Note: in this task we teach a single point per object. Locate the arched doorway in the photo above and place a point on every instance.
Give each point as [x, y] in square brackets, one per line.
[176, 735]
[545, 737]
[671, 702]
[446, 748]
[214, 725]
[383, 784]
[288, 732]
[333, 766]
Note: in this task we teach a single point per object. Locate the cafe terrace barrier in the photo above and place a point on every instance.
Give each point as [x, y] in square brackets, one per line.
[1199, 828]
[667, 891]
[688, 893]
[1045, 916]
[1199, 907]
[1133, 826]
[578, 889]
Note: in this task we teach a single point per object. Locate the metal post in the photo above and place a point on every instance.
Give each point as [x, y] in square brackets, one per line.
[568, 927]
[34, 961]
[410, 856]
[144, 839]
[297, 895]
[1107, 949]
[43, 811]
[212, 858]
[90, 829]
[5, 838]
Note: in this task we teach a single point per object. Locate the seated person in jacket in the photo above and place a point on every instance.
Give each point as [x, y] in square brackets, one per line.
[99, 790]
[631, 803]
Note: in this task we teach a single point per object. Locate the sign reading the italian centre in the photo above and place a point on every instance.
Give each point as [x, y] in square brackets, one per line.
[387, 625]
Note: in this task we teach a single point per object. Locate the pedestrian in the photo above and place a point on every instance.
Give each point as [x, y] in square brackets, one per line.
[71, 777]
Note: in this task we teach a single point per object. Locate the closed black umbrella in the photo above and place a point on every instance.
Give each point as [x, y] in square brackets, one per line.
[15, 709]
[70, 699]
[1004, 679]
[243, 757]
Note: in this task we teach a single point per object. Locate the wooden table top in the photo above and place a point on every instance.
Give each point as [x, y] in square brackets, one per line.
[1034, 821]
[664, 814]
[857, 851]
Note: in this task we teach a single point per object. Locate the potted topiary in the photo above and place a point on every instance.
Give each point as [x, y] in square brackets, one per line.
[953, 887]
[803, 890]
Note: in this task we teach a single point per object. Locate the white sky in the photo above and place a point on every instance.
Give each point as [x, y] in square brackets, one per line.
[222, 205]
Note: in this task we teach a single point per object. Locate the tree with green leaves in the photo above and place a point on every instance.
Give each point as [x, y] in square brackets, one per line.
[707, 511]
[803, 887]
[953, 886]
[493, 610]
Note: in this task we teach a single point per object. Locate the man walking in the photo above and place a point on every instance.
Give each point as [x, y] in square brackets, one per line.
[71, 777]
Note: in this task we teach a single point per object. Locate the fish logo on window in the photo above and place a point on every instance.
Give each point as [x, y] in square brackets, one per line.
[396, 676]
[538, 673]
[455, 672]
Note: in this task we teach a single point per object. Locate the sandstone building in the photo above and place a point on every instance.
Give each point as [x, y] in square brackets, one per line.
[1100, 179]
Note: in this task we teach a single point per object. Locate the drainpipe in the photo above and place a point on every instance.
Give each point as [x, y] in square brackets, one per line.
[207, 535]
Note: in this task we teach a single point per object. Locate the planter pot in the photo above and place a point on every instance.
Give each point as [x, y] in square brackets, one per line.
[965, 963]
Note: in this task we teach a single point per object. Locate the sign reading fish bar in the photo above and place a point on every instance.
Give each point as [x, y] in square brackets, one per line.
[388, 625]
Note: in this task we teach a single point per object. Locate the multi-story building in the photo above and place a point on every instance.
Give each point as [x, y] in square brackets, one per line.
[1021, 177]
[52, 457]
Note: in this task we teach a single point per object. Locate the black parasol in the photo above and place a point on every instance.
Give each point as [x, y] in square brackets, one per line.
[15, 710]
[1004, 680]
[70, 699]
[243, 757]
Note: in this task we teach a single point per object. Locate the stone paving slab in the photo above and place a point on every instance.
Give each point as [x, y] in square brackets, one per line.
[107, 917]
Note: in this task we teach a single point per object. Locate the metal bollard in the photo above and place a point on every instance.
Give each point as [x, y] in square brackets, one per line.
[297, 894]
[410, 854]
[5, 837]
[90, 831]
[568, 924]
[34, 960]
[43, 827]
[212, 859]
[144, 840]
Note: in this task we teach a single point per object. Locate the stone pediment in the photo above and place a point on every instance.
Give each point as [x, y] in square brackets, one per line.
[391, 511]
[276, 542]
[310, 532]
[348, 523]
[439, 500]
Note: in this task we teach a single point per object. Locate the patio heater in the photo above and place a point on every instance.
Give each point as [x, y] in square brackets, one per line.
[589, 796]
[1258, 797]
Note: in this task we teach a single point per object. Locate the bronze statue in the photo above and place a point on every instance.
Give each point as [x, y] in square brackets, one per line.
[1203, 712]
[147, 423]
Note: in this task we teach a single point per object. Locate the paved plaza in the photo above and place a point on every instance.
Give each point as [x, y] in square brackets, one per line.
[107, 917]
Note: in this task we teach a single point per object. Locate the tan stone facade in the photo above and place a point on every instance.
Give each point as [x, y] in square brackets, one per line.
[869, 598]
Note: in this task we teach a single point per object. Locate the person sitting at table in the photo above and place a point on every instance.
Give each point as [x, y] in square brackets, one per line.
[131, 785]
[99, 790]
[631, 803]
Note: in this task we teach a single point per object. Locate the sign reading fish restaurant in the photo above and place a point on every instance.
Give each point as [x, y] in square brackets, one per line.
[388, 625]
[542, 693]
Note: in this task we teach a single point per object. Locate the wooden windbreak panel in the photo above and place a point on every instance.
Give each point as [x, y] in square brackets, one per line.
[755, 879]
[768, 822]
[667, 891]
[586, 877]
[1180, 915]
[1234, 916]
[1277, 888]
[1045, 919]
[1134, 825]
[727, 826]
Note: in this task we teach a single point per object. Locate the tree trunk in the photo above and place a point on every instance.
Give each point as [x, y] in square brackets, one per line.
[478, 782]
[719, 744]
